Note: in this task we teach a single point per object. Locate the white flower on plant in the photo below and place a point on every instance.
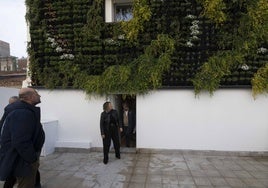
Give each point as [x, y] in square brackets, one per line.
[52, 41]
[195, 22]
[244, 67]
[262, 50]
[121, 37]
[194, 28]
[59, 49]
[190, 16]
[67, 56]
[195, 32]
[112, 42]
[194, 38]
[189, 44]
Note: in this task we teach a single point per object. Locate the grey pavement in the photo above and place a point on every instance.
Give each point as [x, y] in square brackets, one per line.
[152, 170]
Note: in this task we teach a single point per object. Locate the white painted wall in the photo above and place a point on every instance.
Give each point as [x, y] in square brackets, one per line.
[231, 120]
[78, 117]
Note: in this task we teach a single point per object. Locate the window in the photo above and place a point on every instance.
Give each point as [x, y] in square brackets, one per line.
[118, 10]
[122, 12]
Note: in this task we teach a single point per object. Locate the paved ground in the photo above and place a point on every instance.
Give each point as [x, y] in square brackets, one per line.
[86, 170]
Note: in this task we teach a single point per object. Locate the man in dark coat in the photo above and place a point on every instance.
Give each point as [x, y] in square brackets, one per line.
[129, 123]
[22, 138]
[109, 124]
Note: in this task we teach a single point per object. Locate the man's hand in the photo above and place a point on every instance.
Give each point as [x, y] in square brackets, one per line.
[121, 129]
[103, 136]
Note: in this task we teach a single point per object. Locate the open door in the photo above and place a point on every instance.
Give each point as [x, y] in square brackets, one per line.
[126, 106]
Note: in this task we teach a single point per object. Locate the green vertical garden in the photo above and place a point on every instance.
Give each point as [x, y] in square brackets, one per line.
[201, 44]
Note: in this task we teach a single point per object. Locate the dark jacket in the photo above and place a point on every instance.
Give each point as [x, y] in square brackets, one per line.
[109, 119]
[21, 141]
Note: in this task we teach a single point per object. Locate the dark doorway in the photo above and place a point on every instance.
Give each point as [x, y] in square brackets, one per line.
[128, 136]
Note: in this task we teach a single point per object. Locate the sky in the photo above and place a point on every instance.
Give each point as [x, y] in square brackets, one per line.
[13, 29]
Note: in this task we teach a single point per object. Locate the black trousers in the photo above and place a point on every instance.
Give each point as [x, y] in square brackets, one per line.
[112, 134]
[11, 181]
[127, 133]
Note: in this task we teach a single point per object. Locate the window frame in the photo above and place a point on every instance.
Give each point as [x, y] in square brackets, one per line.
[115, 5]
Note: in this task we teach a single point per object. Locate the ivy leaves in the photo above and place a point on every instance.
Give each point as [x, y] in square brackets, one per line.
[260, 81]
[244, 40]
[140, 76]
[141, 14]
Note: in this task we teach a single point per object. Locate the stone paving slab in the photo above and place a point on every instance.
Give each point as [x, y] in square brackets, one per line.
[152, 170]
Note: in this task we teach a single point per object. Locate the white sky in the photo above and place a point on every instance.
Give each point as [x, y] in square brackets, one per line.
[13, 29]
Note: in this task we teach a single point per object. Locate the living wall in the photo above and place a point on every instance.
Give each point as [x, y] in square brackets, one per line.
[201, 44]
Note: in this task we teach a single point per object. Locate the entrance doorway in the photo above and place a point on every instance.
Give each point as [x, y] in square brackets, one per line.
[128, 136]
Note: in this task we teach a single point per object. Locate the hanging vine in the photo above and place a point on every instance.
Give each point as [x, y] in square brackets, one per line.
[260, 81]
[141, 14]
[140, 76]
[244, 40]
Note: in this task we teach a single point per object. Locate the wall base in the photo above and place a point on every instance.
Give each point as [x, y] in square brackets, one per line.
[169, 151]
[70, 144]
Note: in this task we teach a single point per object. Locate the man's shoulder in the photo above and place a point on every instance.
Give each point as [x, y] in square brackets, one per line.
[114, 111]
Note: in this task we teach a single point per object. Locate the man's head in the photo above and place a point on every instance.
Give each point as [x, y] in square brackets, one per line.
[13, 99]
[107, 106]
[30, 96]
[125, 107]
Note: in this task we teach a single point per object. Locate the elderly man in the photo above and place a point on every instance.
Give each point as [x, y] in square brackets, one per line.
[22, 138]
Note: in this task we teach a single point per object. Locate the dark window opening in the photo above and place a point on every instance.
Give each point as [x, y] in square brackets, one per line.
[123, 12]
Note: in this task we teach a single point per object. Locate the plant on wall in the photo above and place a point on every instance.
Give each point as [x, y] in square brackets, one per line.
[141, 14]
[239, 43]
[199, 43]
[214, 10]
[260, 81]
[140, 76]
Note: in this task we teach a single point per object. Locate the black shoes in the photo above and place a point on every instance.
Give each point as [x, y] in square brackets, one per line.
[105, 161]
[117, 156]
[38, 186]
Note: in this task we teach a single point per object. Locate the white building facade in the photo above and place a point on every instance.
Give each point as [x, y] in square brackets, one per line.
[230, 120]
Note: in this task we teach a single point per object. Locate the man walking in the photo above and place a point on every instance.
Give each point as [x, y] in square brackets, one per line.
[22, 138]
[129, 123]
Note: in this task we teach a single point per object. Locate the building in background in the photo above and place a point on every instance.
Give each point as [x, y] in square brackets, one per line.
[7, 62]
[22, 64]
[4, 49]
[12, 69]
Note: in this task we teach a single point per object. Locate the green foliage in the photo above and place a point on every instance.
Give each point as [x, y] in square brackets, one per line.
[95, 21]
[260, 81]
[244, 39]
[214, 69]
[72, 46]
[141, 14]
[214, 10]
[144, 74]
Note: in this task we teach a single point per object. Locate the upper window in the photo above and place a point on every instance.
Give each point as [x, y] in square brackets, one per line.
[122, 12]
[118, 10]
